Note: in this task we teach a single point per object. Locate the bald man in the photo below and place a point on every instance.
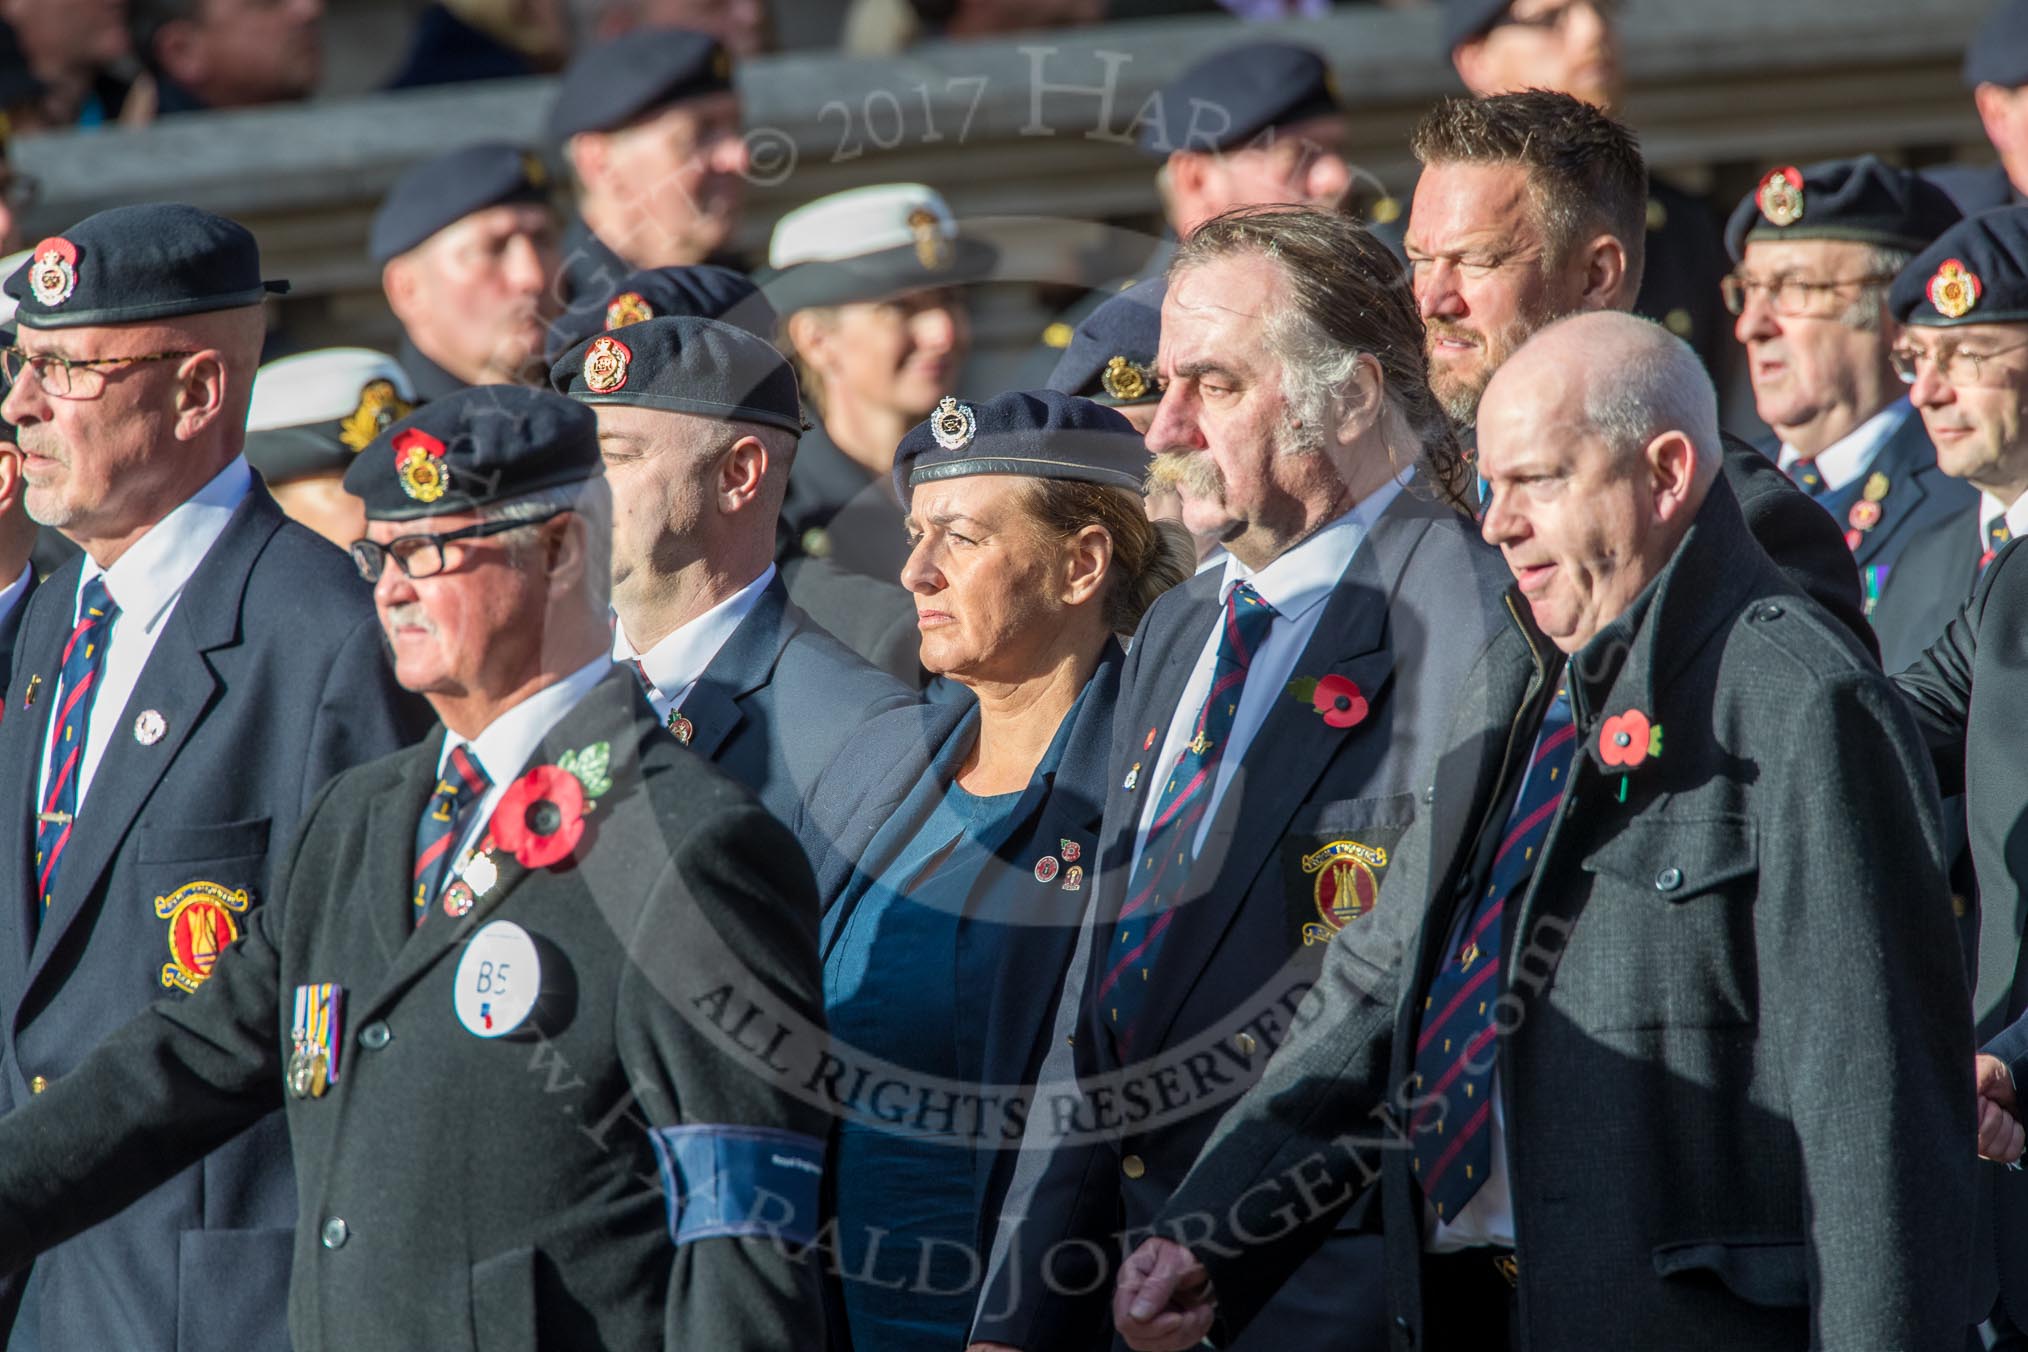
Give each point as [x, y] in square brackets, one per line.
[1660, 1055]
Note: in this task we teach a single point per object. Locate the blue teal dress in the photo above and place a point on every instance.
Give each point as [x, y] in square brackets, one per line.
[919, 937]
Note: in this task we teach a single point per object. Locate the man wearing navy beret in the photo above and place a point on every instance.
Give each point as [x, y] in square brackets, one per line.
[494, 992]
[697, 290]
[1963, 304]
[180, 694]
[1996, 71]
[650, 124]
[1815, 249]
[698, 422]
[468, 252]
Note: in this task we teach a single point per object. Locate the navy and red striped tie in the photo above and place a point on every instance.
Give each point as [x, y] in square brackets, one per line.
[1452, 1145]
[443, 823]
[78, 688]
[1997, 536]
[1164, 866]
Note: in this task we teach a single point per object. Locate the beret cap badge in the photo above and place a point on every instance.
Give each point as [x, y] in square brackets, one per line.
[416, 454]
[629, 307]
[380, 407]
[1781, 196]
[931, 250]
[605, 364]
[953, 424]
[1125, 380]
[53, 277]
[1954, 290]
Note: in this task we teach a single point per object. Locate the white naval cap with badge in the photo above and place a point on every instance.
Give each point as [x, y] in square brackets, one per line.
[314, 411]
[868, 244]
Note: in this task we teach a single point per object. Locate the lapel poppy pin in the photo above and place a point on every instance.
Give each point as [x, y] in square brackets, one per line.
[540, 819]
[1629, 739]
[1336, 699]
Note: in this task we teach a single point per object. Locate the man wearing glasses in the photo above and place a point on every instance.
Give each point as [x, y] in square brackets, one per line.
[1814, 250]
[1961, 377]
[180, 693]
[1963, 303]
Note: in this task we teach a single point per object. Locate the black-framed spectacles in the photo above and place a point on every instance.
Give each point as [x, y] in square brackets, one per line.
[423, 555]
[68, 377]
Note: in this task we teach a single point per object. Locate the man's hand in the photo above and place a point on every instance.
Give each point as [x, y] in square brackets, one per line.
[1163, 1302]
[2001, 1136]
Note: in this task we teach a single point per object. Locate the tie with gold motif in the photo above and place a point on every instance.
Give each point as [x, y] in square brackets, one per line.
[1452, 1142]
[1164, 866]
[78, 688]
[1997, 536]
[463, 784]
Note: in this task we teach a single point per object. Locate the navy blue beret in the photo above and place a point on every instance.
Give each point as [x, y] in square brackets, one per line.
[700, 290]
[1468, 19]
[684, 364]
[1111, 357]
[611, 83]
[1975, 273]
[134, 264]
[1232, 96]
[445, 190]
[472, 449]
[1039, 434]
[1998, 52]
[1862, 200]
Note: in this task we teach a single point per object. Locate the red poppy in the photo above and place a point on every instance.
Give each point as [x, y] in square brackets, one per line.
[1338, 699]
[541, 817]
[1624, 740]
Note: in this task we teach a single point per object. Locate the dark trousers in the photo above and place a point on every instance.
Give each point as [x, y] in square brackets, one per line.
[1468, 1303]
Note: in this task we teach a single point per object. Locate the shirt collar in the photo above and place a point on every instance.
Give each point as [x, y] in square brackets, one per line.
[155, 569]
[1300, 578]
[1852, 454]
[505, 745]
[678, 661]
[1991, 508]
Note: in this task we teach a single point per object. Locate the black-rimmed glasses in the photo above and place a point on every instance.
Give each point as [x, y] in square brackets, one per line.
[423, 555]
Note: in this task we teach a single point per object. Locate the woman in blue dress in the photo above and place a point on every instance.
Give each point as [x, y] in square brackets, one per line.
[962, 841]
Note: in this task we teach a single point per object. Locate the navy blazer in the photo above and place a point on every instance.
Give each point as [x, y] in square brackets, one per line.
[1909, 491]
[1414, 610]
[780, 699]
[1008, 1023]
[270, 677]
[1928, 585]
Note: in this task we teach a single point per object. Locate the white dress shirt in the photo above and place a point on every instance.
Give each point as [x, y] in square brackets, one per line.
[505, 745]
[1854, 453]
[145, 583]
[1991, 509]
[1296, 584]
[676, 664]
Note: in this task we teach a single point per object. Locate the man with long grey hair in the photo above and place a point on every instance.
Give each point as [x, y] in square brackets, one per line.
[1277, 722]
[1654, 1041]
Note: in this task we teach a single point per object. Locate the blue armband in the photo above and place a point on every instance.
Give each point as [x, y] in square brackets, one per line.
[739, 1180]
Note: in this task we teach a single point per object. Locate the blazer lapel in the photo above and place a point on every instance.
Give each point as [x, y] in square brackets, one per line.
[388, 871]
[1350, 641]
[24, 734]
[742, 666]
[178, 682]
[614, 712]
[1144, 714]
